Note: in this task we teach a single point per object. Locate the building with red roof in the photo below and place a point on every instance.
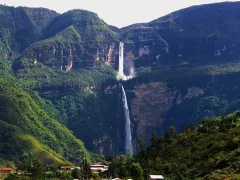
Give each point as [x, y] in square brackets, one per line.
[4, 171]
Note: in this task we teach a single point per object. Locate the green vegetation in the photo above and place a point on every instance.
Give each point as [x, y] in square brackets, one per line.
[200, 92]
[20, 110]
[195, 52]
[18, 147]
[40, 76]
[125, 167]
[89, 26]
[37, 171]
[166, 73]
[18, 26]
[209, 152]
[40, 17]
[92, 117]
[49, 47]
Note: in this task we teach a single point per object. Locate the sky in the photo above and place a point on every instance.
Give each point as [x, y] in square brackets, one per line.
[119, 13]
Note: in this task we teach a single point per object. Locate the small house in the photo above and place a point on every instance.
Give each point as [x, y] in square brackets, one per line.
[67, 168]
[155, 177]
[98, 168]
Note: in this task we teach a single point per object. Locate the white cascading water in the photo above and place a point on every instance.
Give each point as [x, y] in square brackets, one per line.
[121, 57]
[128, 134]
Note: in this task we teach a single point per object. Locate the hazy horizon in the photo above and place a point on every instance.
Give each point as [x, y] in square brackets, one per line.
[119, 14]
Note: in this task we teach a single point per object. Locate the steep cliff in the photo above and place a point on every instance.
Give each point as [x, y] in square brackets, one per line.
[180, 96]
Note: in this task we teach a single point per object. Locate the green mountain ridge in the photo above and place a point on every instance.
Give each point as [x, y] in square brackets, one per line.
[28, 113]
[20, 27]
[24, 148]
[88, 25]
[198, 35]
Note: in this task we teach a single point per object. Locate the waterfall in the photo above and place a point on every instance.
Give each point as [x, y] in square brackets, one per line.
[121, 65]
[128, 135]
[121, 56]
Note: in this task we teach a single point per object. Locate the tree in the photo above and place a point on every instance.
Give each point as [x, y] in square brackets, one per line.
[173, 131]
[154, 139]
[64, 175]
[136, 171]
[76, 173]
[85, 170]
[141, 145]
[95, 176]
[36, 169]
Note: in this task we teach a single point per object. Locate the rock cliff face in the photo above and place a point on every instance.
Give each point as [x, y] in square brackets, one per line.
[159, 104]
[152, 101]
[144, 41]
[79, 39]
[60, 54]
[142, 45]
